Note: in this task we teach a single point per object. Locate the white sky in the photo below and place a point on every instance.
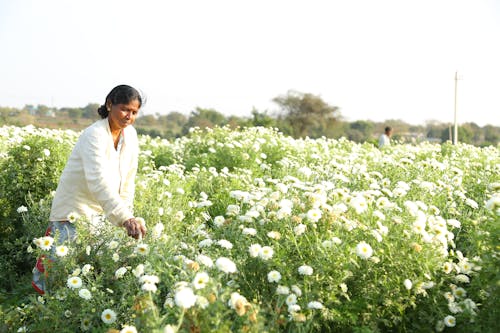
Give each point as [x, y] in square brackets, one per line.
[375, 59]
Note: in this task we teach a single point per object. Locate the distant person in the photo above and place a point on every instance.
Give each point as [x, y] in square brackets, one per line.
[385, 139]
[99, 177]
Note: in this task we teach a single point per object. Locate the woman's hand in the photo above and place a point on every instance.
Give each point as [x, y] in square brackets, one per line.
[134, 228]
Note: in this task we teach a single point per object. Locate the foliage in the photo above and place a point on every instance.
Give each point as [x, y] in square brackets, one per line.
[325, 236]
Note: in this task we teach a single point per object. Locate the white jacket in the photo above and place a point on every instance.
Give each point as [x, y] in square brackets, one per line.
[97, 179]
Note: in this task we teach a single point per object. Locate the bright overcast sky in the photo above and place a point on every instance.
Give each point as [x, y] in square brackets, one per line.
[375, 59]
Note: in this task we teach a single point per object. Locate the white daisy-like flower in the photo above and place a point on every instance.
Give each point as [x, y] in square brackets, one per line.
[149, 279]
[274, 235]
[364, 250]
[296, 290]
[202, 302]
[254, 250]
[85, 294]
[299, 229]
[408, 284]
[22, 209]
[74, 282]
[142, 249]
[62, 250]
[149, 287]
[45, 243]
[225, 244]
[450, 321]
[225, 265]
[128, 329]
[462, 278]
[291, 299]
[314, 215]
[266, 253]
[185, 298]
[115, 257]
[138, 271]
[73, 217]
[305, 270]
[292, 308]
[315, 305]
[204, 260]
[282, 290]
[205, 243]
[249, 231]
[219, 221]
[447, 267]
[274, 276]
[120, 272]
[113, 245]
[459, 292]
[108, 316]
[200, 280]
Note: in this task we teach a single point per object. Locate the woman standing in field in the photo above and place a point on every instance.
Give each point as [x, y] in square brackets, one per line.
[99, 177]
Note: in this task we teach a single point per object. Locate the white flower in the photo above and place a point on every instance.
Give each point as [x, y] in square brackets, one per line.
[274, 235]
[149, 287]
[305, 270]
[254, 250]
[142, 249]
[249, 231]
[408, 284]
[73, 217]
[225, 265]
[225, 244]
[299, 229]
[291, 299]
[138, 271]
[46, 152]
[282, 290]
[170, 329]
[74, 282]
[202, 302]
[364, 250]
[128, 329]
[462, 278]
[108, 316]
[200, 280]
[205, 243]
[266, 253]
[62, 250]
[185, 298]
[22, 209]
[274, 276]
[314, 214]
[115, 257]
[459, 292]
[204, 260]
[450, 321]
[447, 267]
[120, 272]
[296, 290]
[85, 294]
[45, 243]
[343, 287]
[219, 221]
[149, 279]
[112, 245]
[315, 305]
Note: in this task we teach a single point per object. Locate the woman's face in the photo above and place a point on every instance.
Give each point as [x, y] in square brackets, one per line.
[122, 115]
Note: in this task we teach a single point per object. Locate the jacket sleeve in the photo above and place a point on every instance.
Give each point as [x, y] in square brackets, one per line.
[97, 170]
[128, 188]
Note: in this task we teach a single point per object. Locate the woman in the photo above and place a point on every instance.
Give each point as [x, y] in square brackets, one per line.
[99, 177]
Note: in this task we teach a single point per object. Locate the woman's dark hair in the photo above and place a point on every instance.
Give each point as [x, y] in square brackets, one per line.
[121, 94]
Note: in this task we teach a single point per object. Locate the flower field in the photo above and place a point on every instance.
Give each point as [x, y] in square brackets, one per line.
[253, 231]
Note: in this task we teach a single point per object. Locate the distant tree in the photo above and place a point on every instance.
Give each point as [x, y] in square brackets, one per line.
[75, 113]
[204, 118]
[307, 114]
[90, 111]
[491, 134]
[360, 130]
[261, 119]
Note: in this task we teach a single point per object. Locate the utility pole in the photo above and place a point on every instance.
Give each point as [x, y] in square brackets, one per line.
[455, 128]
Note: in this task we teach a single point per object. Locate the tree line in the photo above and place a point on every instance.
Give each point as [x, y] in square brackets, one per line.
[298, 115]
